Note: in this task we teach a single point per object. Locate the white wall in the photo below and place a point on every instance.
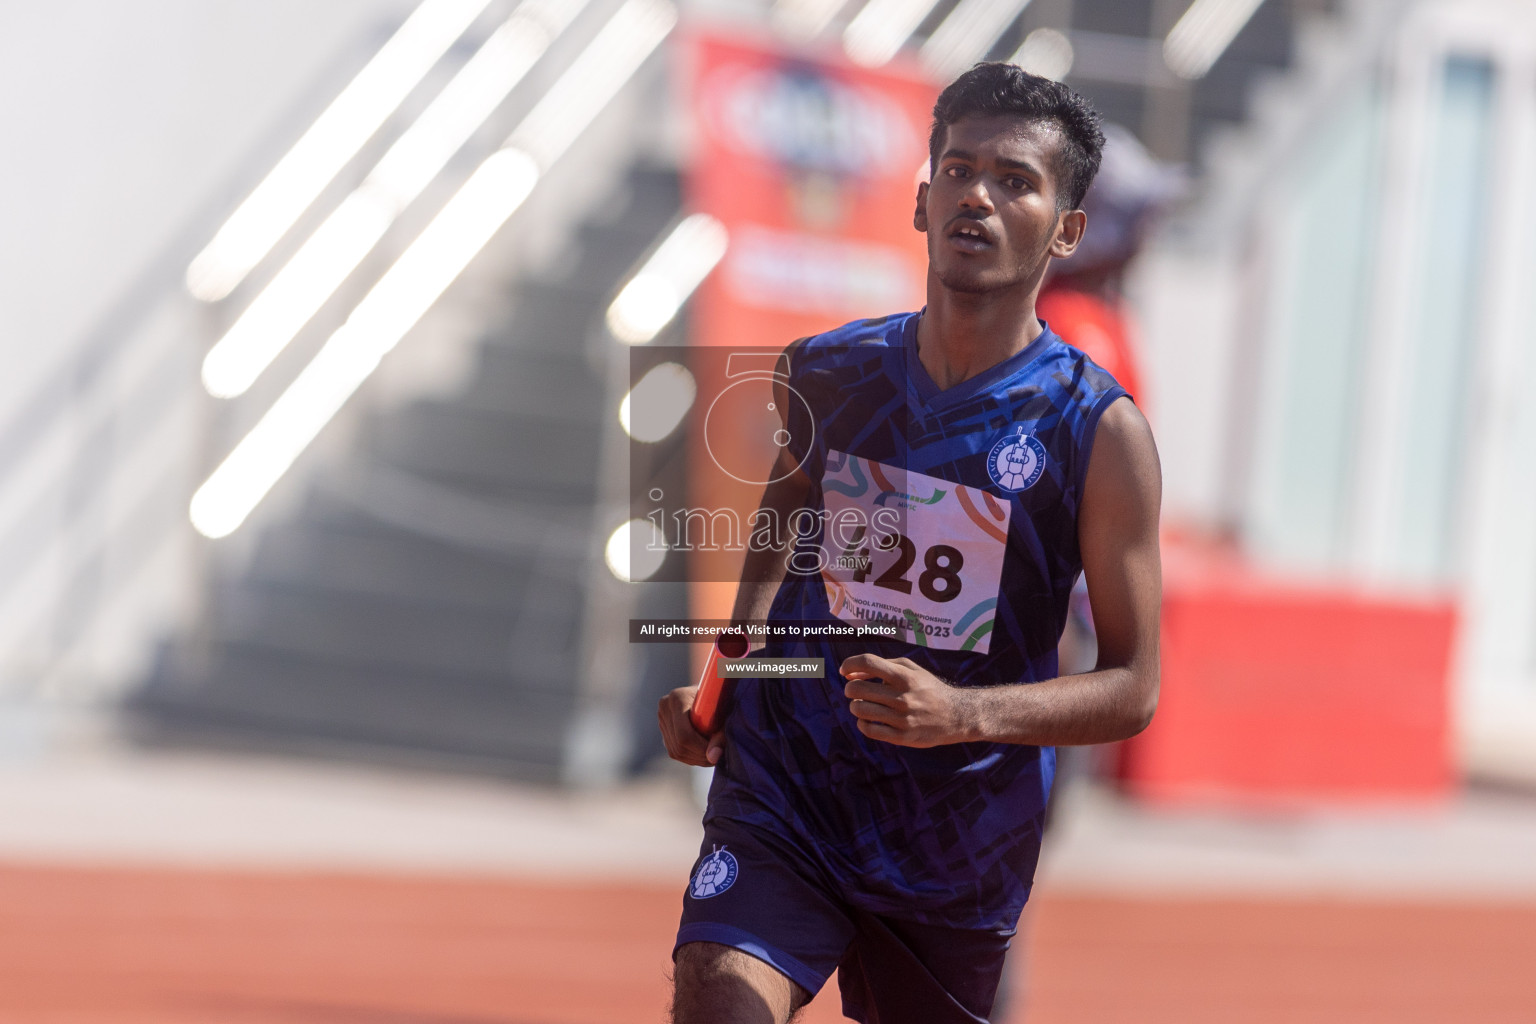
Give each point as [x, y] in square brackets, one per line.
[122, 122]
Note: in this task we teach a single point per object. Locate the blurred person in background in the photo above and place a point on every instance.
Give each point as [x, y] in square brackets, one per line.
[1083, 299]
[887, 824]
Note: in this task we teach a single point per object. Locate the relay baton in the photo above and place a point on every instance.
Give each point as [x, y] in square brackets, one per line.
[705, 713]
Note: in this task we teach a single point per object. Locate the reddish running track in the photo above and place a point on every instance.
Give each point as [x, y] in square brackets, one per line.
[108, 946]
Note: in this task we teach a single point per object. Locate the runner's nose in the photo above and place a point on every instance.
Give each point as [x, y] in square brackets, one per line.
[975, 196]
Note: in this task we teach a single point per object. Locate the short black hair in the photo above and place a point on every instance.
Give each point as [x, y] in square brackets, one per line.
[993, 87]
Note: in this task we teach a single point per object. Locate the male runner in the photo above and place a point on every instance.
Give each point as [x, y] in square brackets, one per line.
[885, 821]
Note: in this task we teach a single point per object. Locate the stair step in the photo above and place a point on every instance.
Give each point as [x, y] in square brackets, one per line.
[557, 316]
[525, 525]
[492, 452]
[537, 649]
[280, 694]
[610, 255]
[550, 385]
[644, 186]
[366, 558]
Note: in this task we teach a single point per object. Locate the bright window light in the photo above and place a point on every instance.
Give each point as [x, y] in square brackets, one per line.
[402, 296]
[335, 138]
[965, 36]
[394, 305]
[803, 20]
[320, 266]
[1046, 53]
[876, 34]
[657, 404]
[643, 307]
[285, 306]
[651, 298]
[614, 54]
[473, 95]
[635, 551]
[1203, 33]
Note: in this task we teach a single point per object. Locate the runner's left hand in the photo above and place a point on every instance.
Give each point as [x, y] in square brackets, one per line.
[899, 701]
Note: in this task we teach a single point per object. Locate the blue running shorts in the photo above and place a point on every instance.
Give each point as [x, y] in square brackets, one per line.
[761, 893]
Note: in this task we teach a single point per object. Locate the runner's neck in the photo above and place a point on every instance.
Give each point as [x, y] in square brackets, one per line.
[959, 340]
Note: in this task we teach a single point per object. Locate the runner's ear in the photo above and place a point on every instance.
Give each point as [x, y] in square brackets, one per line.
[1069, 232]
[920, 215]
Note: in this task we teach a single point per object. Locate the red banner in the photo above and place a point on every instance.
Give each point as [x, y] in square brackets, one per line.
[813, 167]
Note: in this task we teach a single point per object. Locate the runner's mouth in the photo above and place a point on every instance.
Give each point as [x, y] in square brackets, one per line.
[969, 236]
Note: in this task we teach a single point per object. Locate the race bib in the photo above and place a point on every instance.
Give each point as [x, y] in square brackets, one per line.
[912, 551]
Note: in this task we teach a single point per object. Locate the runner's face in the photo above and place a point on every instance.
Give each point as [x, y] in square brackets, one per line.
[990, 211]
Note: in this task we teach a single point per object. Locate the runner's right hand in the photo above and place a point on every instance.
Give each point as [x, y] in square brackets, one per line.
[684, 742]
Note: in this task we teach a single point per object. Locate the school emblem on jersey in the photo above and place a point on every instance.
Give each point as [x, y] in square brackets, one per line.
[715, 875]
[1016, 461]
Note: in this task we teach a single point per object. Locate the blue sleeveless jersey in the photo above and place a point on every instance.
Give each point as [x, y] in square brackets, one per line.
[952, 516]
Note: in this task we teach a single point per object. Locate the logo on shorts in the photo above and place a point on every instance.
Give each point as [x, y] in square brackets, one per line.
[715, 875]
[1016, 461]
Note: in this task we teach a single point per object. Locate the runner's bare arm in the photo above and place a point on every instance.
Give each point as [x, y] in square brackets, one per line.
[764, 570]
[900, 702]
[761, 574]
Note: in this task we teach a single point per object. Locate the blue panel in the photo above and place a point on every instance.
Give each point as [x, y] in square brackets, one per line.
[1443, 339]
[1322, 298]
